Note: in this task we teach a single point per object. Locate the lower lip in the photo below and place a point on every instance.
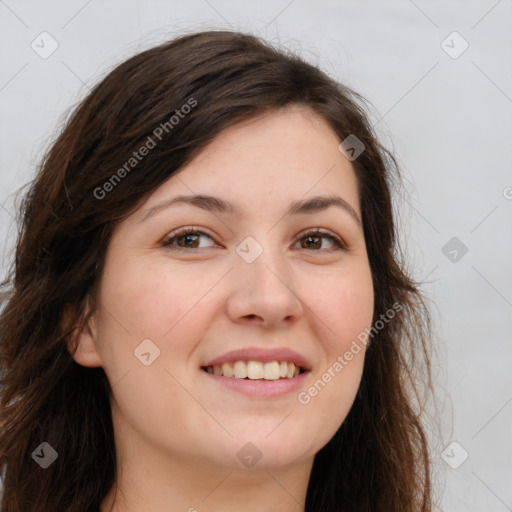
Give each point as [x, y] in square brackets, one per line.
[261, 388]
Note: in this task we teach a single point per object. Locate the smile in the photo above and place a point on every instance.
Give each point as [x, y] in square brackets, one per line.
[255, 370]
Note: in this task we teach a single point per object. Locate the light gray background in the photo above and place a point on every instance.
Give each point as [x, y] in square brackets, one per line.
[448, 120]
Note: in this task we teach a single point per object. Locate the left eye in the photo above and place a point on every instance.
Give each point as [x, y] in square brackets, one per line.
[313, 240]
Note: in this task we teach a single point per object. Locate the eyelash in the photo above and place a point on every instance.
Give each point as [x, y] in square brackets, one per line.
[317, 232]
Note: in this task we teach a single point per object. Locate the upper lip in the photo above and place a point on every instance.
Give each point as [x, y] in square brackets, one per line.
[265, 355]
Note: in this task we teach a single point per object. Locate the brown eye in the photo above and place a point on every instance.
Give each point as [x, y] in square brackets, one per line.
[186, 239]
[314, 239]
[311, 242]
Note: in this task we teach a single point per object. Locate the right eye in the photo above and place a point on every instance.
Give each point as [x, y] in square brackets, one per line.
[185, 239]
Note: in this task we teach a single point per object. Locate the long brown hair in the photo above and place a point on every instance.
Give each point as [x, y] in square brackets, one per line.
[377, 460]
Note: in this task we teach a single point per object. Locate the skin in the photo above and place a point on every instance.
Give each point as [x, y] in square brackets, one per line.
[177, 433]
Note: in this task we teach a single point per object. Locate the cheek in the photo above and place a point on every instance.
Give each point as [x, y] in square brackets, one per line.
[343, 306]
[167, 306]
[155, 300]
[343, 309]
[170, 309]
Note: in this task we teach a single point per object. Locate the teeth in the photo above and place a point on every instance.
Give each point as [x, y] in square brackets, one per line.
[256, 370]
[271, 371]
[227, 371]
[240, 370]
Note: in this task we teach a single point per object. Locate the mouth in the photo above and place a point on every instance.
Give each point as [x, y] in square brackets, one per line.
[256, 370]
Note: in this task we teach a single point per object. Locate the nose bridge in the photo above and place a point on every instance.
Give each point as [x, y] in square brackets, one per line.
[263, 284]
[263, 262]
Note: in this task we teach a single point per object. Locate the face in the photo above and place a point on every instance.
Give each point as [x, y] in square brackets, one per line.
[258, 271]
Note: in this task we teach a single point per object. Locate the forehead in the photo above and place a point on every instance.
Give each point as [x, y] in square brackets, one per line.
[277, 157]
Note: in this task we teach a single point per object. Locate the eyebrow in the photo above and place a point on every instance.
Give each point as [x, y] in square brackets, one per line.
[215, 204]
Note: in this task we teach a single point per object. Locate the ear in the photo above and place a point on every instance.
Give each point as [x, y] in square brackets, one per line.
[81, 344]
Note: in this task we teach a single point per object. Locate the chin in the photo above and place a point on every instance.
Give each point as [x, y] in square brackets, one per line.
[254, 450]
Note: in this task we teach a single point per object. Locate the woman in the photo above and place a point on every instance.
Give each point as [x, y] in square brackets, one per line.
[206, 310]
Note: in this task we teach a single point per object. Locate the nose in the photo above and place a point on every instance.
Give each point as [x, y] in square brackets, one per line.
[263, 293]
